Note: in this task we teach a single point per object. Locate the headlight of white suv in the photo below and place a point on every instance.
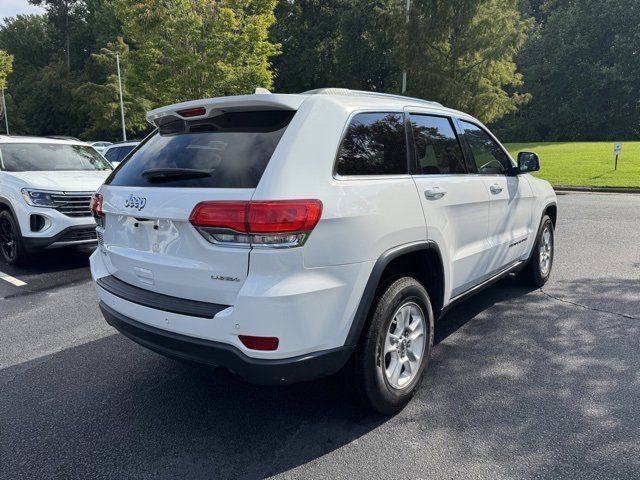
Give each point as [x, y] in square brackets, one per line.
[38, 198]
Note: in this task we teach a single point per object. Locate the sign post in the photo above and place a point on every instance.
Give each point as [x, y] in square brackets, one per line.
[617, 150]
[3, 113]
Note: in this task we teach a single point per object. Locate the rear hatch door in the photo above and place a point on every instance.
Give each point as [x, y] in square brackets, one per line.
[147, 237]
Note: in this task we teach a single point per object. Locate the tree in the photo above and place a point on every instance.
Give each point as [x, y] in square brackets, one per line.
[186, 49]
[308, 32]
[26, 38]
[39, 49]
[79, 27]
[6, 67]
[100, 100]
[66, 17]
[335, 43]
[459, 53]
[583, 71]
[462, 54]
[51, 107]
[365, 57]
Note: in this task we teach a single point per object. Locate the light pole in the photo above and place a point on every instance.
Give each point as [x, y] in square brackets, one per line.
[404, 72]
[4, 109]
[124, 130]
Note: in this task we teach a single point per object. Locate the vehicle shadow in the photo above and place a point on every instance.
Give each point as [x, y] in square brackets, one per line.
[504, 290]
[515, 375]
[52, 261]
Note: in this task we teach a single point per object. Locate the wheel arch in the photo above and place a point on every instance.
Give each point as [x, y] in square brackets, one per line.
[421, 260]
[5, 204]
[552, 210]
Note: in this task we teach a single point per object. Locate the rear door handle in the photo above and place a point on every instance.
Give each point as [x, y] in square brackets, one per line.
[434, 193]
[495, 188]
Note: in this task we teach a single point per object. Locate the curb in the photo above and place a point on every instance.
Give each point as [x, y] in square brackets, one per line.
[631, 190]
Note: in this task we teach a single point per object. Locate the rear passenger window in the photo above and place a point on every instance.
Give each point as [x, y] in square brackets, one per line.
[375, 144]
[436, 144]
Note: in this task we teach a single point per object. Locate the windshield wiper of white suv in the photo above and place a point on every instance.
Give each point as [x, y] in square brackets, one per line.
[170, 174]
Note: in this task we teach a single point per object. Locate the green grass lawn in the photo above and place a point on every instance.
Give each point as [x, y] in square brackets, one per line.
[584, 164]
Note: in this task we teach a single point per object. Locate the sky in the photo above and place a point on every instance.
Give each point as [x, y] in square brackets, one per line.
[11, 8]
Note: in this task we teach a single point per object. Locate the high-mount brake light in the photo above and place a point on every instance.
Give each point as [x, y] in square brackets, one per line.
[277, 223]
[192, 112]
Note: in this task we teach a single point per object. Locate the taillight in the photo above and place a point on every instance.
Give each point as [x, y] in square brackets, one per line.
[224, 215]
[278, 223]
[96, 208]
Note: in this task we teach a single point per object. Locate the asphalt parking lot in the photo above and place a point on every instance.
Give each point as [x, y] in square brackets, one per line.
[522, 384]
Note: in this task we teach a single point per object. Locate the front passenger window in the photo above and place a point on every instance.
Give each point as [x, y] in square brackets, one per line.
[489, 158]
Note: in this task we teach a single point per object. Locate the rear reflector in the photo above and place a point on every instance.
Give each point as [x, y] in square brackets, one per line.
[259, 343]
[192, 112]
[279, 216]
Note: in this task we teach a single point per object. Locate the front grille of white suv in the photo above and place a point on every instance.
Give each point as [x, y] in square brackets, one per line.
[72, 204]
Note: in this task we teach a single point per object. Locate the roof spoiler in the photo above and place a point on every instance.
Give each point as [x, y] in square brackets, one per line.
[262, 99]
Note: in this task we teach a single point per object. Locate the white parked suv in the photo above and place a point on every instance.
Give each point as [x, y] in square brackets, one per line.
[45, 191]
[287, 237]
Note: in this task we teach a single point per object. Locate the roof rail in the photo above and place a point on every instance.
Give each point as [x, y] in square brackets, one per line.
[346, 91]
[63, 137]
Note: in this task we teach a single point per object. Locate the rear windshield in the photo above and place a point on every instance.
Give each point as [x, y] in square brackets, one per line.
[232, 150]
[48, 157]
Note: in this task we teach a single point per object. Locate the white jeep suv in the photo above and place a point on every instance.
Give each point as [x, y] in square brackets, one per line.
[45, 191]
[286, 237]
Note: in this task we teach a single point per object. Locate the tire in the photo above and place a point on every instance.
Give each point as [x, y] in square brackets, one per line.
[388, 381]
[538, 269]
[12, 246]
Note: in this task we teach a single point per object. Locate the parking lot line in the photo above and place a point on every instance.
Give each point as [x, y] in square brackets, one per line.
[13, 280]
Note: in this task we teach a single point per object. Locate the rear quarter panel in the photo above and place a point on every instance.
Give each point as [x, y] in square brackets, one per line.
[362, 216]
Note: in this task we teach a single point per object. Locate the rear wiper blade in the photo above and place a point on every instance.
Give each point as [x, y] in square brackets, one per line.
[169, 174]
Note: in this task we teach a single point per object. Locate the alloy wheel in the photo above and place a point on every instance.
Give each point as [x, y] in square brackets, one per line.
[545, 251]
[404, 345]
[7, 239]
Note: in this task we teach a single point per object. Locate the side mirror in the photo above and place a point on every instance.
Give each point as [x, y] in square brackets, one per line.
[528, 162]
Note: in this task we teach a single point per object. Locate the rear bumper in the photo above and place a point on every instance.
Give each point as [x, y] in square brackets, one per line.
[261, 371]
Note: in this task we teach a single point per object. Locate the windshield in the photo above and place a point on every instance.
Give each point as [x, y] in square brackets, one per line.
[40, 157]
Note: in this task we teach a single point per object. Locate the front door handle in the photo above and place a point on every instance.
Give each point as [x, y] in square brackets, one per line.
[434, 193]
[495, 188]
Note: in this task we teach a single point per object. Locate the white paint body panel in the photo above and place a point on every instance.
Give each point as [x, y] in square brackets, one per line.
[511, 221]
[308, 296]
[458, 221]
[172, 259]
